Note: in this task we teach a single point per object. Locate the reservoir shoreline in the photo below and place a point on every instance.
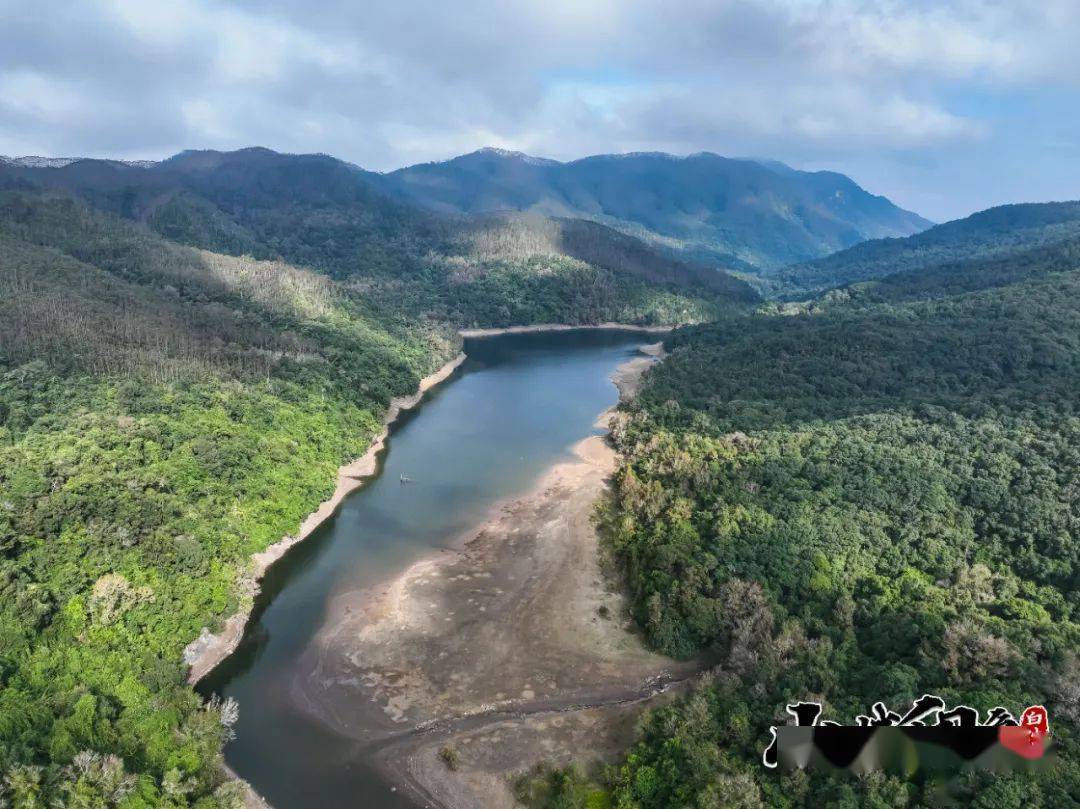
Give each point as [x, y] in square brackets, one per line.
[207, 651]
[562, 667]
[598, 689]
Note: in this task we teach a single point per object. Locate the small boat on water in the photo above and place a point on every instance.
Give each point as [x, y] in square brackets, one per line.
[405, 479]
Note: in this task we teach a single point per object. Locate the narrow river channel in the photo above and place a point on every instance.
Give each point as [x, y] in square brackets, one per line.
[512, 411]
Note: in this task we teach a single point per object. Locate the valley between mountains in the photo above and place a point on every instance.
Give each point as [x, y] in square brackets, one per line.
[849, 475]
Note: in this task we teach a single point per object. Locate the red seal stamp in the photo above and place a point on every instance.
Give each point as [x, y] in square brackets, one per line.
[1028, 739]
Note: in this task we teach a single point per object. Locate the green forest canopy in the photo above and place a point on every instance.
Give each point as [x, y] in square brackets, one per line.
[860, 501]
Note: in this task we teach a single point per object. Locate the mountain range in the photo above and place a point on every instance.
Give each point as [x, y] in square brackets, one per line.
[314, 212]
[736, 213]
[754, 216]
[324, 213]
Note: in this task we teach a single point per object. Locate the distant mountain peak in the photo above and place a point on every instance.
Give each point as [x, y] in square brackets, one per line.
[495, 151]
[219, 154]
[629, 156]
[776, 166]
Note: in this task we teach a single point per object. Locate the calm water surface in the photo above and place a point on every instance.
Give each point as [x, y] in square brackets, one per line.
[513, 410]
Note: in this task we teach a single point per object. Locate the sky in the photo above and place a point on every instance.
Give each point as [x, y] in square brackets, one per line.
[945, 107]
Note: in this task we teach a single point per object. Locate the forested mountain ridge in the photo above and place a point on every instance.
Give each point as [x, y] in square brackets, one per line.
[744, 214]
[319, 212]
[952, 249]
[308, 209]
[221, 313]
[871, 498]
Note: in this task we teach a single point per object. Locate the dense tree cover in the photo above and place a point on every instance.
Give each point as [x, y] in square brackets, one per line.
[960, 251]
[1005, 267]
[164, 413]
[554, 289]
[516, 237]
[862, 503]
[129, 507]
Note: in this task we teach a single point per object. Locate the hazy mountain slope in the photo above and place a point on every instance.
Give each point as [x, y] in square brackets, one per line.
[317, 211]
[728, 212]
[988, 238]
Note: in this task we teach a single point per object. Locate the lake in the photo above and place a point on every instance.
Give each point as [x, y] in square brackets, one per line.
[512, 411]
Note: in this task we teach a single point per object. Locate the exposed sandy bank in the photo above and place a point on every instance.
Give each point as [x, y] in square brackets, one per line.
[509, 645]
[562, 327]
[491, 756]
[208, 650]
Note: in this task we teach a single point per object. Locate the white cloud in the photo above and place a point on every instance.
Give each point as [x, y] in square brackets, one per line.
[30, 94]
